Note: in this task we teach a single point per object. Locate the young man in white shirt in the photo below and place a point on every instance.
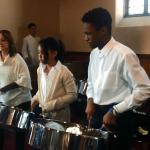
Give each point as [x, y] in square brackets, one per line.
[30, 45]
[116, 81]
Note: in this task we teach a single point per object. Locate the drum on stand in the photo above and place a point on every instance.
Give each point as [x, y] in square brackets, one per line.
[49, 134]
[14, 117]
[14, 123]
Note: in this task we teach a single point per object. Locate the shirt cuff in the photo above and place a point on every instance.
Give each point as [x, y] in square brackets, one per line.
[120, 108]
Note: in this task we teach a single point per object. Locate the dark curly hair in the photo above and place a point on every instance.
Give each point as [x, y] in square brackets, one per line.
[99, 17]
[49, 44]
[8, 37]
[31, 25]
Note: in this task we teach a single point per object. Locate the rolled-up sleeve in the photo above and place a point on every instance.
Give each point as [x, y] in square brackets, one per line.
[22, 73]
[89, 91]
[138, 81]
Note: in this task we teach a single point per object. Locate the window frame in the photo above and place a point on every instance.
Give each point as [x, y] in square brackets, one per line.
[121, 21]
[126, 10]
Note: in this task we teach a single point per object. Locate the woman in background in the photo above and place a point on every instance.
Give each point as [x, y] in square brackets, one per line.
[15, 82]
[56, 85]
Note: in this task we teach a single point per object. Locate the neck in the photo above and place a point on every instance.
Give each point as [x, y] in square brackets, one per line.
[48, 67]
[52, 63]
[33, 35]
[106, 39]
[3, 54]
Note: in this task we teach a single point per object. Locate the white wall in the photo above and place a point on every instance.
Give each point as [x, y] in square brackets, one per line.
[16, 14]
[138, 38]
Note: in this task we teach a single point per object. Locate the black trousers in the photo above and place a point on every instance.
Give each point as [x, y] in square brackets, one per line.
[20, 134]
[123, 131]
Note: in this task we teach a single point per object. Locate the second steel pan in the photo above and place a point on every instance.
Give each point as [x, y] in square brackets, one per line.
[14, 117]
[65, 136]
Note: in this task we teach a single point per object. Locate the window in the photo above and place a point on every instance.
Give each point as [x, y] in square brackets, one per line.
[137, 8]
[132, 13]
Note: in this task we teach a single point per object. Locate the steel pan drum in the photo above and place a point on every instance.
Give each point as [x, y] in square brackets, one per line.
[14, 117]
[65, 136]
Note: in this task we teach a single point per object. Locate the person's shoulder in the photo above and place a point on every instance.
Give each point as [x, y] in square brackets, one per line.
[19, 60]
[66, 70]
[94, 51]
[27, 37]
[123, 49]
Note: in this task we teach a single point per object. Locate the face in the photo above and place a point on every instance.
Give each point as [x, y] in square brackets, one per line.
[3, 44]
[92, 36]
[42, 57]
[33, 30]
[46, 59]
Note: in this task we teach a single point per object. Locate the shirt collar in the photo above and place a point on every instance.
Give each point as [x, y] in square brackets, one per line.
[107, 48]
[56, 67]
[7, 58]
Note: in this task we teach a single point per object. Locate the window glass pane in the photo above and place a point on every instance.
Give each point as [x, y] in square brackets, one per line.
[136, 7]
[148, 6]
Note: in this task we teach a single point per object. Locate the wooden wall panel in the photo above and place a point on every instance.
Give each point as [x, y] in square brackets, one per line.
[84, 57]
[145, 62]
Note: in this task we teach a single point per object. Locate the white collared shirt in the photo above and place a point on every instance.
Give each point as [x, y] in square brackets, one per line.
[30, 48]
[14, 69]
[115, 76]
[46, 80]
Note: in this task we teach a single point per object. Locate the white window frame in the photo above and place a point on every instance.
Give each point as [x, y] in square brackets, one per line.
[121, 21]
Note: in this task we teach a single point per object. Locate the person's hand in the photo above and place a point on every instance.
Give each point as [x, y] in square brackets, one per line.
[90, 109]
[34, 103]
[44, 109]
[109, 121]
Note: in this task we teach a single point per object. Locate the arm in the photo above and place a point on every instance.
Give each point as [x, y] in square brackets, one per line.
[69, 96]
[22, 73]
[8, 87]
[89, 91]
[35, 101]
[22, 76]
[90, 108]
[24, 50]
[36, 98]
[137, 80]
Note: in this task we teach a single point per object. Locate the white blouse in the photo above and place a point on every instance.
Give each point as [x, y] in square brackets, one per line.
[14, 69]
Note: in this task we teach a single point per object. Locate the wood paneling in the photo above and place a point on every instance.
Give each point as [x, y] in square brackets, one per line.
[84, 57]
[145, 62]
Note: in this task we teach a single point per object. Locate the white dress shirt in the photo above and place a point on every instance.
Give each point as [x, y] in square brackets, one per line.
[30, 49]
[56, 91]
[14, 69]
[115, 76]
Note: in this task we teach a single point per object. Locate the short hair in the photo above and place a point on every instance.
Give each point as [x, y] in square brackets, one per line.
[49, 44]
[8, 37]
[99, 17]
[31, 25]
